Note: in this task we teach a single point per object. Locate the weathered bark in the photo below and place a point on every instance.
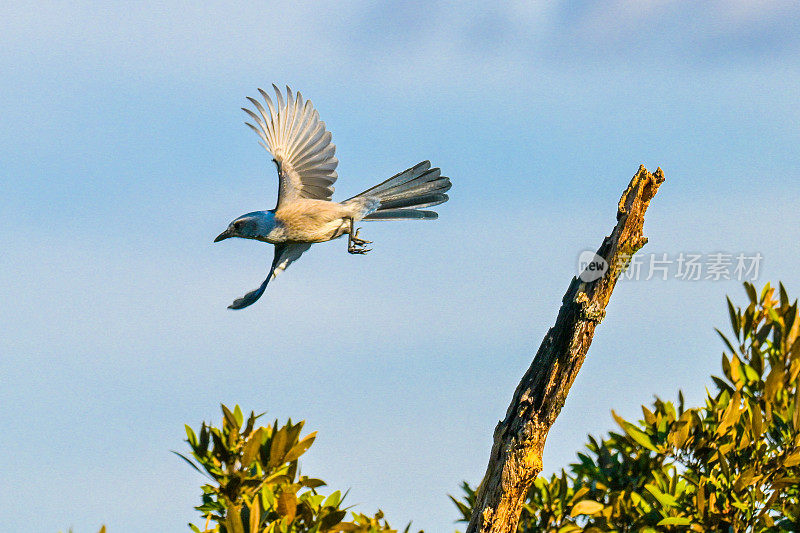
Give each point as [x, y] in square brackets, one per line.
[516, 457]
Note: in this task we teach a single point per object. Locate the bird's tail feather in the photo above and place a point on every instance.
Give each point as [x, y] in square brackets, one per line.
[404, 195]
[407, 214]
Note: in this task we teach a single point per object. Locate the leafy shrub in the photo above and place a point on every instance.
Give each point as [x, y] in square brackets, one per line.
[732, 464]
[255, 484]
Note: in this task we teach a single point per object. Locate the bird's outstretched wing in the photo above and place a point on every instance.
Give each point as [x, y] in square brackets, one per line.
[292, 132]
[285, 255]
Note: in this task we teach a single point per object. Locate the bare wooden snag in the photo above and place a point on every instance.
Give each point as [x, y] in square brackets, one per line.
[516, 457]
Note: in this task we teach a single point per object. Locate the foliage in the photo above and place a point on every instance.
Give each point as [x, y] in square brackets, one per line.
[255, 483]
[731, 465]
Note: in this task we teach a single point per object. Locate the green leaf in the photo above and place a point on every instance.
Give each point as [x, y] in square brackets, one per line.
[333, 500]
[774, 381]
[751, 292]
[251, 448]
[311, 482]
[277, 479]
[721, 385]
[251, 420]
[750, 373]
[635, 433]
[765, 292]
[749, 316]
[294, 432]
[230, 419]
[233, 521]
[255, 515]
[735, 372]
[731, 414]
[666, 500]
[219, 447]
[744, 479]
[757, 421]
[462, 508]
[300, 448]
[191, 463]
[277, 447]
[204, 436]
[649, 417]
[735, 319]
[796, 414]
[723, 464]
[679, 432]
[579, 494]
[563, 486]
[331, 519]
[763, 333]
[589, 507]
[287, 505]
[783, 295]
[675, 521]
[190, 436]
[700, 498]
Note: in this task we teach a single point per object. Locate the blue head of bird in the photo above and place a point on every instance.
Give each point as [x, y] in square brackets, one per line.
[256, 225]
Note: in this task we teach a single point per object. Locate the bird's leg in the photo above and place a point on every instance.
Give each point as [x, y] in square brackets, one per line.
[355, 244]
[357, 240]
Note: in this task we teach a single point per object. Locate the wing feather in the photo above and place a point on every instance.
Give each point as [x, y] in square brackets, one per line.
[319, 157]
[289, 254]
[257, 130]
[285, 255]
[320, 139]
[290, 129]
[265, 122]
[317, 192]
[271, 107]
[303, 125]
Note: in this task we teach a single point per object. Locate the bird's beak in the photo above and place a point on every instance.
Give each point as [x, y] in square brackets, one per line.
[222, 236]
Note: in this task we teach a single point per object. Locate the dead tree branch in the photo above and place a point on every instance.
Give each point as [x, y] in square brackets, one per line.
[516, 457]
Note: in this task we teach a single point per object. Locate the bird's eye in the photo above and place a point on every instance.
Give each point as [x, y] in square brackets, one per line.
[237, 225]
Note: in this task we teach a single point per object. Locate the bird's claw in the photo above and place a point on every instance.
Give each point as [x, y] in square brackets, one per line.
[355, 239]
[357, 245]
[358, 249]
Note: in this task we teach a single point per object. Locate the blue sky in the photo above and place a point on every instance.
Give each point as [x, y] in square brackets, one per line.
[123, 153]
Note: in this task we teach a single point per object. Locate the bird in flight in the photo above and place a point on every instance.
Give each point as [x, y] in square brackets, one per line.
[301, 148]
